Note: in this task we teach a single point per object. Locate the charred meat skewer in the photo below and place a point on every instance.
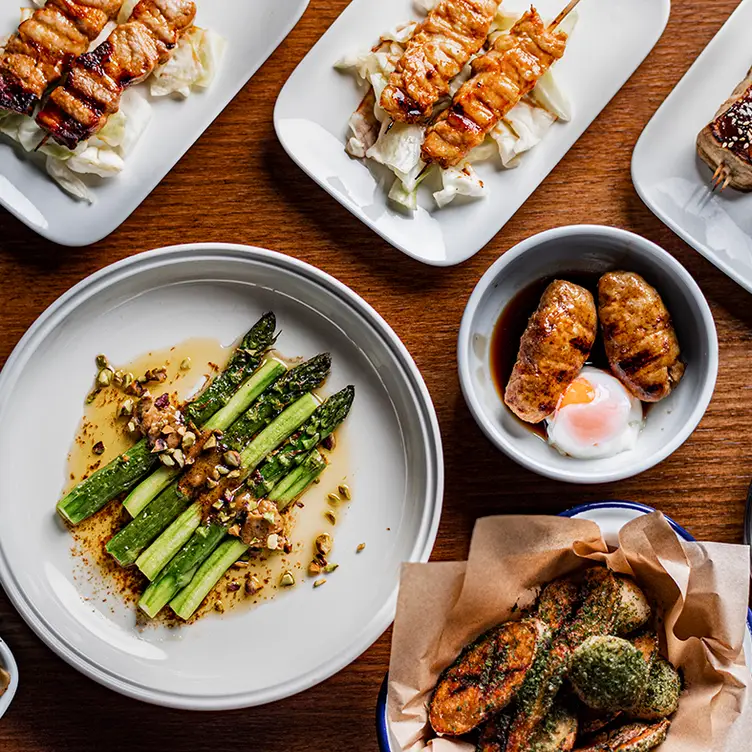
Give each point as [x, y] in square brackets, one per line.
[38, 54]
[81, 107]
[508, 72]
[451, 34]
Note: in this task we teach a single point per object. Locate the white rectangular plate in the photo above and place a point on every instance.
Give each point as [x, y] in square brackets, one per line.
[313, 109]
[674, 182]
[253, 30]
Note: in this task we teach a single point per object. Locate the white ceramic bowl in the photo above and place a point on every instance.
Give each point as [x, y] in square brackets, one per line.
[8, 662]
[593, 249]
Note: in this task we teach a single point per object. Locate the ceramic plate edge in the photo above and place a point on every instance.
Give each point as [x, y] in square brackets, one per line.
[431, 262]
[673, 226]
[384, 616]
[152, 183]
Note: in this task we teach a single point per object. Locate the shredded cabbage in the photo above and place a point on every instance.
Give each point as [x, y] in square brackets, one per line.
[458, 181]
[193, 63]
[398, 145]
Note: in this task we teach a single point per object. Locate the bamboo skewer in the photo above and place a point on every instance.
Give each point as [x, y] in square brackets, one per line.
[564, 13]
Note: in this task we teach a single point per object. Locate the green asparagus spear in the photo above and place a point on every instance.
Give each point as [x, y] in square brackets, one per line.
[208, 574]
[144, 493]
[319, 426]
[120, 475]
[128, 544]
[244, 361]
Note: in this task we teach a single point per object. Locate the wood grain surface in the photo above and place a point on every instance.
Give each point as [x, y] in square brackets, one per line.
[238, 185]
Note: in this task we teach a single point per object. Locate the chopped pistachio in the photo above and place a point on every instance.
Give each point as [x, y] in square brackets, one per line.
[214, 474]
[332, 498]
[323, 543]
[253, 585]
[91, 397]
[217, 504]
[126, 407]
[127, 380]
[233, 474]
[331, 516]
[185, 364]
[118, 378]
[167, 460]
[231, 458]
[219, 606]
[287, 579]
[272, 542]
[361, 547]
[314, 568]
[179, 457]
[211, 442]
[101, 361]
[233, 587]
[132, 426]
[98, 448]
[269, 517]
[222, 470]
[344, 491]
[234, 530]
[329, 568]
[319, 583]
[189, 439]
[211, 483]
[104, 377]
[239, 564]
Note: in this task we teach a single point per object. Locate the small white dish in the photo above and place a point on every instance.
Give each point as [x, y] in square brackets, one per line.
[8, 662]
[610, 516]
[393, 464]
[253, 31]
[591, 249]
[315, 105]
[674, 182]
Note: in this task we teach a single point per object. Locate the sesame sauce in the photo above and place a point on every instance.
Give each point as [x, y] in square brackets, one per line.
[733, 129]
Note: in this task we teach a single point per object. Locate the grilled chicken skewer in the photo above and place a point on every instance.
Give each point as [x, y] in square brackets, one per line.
[504, 75]
[81, 107]
[451, 34]
[37, 55]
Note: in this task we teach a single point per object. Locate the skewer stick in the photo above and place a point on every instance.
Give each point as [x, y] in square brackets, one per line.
[570, 7]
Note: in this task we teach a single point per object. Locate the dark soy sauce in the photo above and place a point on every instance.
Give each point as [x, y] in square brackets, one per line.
[511, 325]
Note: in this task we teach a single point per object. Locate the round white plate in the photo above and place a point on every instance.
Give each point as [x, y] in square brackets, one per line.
[246, 657]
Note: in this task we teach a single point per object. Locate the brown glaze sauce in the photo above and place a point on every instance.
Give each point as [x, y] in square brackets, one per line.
[107, 580]
[511, 325]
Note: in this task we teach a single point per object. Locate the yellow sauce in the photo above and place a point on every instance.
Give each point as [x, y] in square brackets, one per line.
[305, 519]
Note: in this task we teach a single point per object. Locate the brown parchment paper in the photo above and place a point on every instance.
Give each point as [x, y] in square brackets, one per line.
[699, 590]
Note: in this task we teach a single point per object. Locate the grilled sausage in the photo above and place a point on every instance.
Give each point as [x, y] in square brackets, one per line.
[485, 677]
[634, 737]
[553, 350]
[640, 340]
[725, 144]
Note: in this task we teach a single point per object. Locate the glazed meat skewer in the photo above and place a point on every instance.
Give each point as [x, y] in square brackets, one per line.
[451, 34]
[502, 77]
[38, 54]
[92, 92]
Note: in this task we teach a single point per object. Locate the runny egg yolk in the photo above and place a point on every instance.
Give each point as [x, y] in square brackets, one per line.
[579, 392]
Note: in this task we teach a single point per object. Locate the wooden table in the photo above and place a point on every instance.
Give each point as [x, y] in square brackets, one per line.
[238, 185]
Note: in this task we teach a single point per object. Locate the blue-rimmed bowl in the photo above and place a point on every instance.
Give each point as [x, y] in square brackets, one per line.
[611, 516]
[8, 662]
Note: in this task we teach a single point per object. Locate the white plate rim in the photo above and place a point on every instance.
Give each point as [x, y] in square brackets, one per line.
[383, 234]
[431, 517]
[9, 663]
[150, 184]
[676, 228]
[464, 343]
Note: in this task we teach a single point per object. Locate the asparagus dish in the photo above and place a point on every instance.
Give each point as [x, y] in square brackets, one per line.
[208, 485]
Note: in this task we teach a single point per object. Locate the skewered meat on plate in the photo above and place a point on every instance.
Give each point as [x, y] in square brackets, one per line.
[453, 32]
[501, 78]
[81, 107]
[38, 54]
[725, 144]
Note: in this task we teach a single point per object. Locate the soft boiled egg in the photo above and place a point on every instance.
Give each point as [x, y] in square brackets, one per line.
[596, 417]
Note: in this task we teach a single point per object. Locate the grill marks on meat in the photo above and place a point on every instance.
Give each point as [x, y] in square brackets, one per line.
[486, 676]
[553, 350]
[633, 737]
[640, 340]
[81, 107]
[38, 55]
[501, 78]
[596, 615]
[453, 31]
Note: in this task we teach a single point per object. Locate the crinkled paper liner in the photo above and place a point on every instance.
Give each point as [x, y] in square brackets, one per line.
[700, 591]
